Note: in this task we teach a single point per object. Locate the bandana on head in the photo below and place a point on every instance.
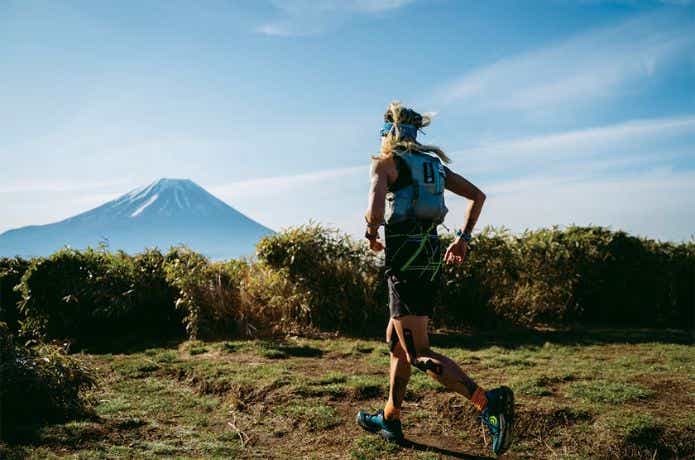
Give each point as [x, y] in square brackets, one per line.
[404, 130]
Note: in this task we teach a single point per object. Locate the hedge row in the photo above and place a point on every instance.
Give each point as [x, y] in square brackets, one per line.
[587, 275]
[94, 297]
[311, 277]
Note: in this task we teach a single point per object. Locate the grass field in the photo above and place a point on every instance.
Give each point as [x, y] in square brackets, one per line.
[615, 394]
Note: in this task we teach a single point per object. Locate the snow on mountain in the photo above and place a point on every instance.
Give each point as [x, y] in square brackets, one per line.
[142, 208]
[164, 213]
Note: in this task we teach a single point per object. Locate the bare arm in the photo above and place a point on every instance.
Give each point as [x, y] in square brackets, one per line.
[377, 193]
[462, 187]
[377, 203]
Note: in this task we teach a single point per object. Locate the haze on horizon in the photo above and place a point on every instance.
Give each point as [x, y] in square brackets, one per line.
[563, 111]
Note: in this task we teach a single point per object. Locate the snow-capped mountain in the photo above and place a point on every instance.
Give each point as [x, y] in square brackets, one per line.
[165, 213]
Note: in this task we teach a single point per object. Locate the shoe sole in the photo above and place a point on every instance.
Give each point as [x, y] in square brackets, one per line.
[507, 397]
[383, 433]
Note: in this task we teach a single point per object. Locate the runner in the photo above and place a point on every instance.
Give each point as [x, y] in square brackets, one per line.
[406, 195]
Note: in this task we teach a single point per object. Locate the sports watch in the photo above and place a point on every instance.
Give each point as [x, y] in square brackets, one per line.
[370, 226]
[465, 236]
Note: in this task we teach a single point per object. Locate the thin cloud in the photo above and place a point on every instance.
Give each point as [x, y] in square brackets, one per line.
[658, 204]
[60, 186]
[630, 138]
[277, 30]
[306, 17]
[278, 184]
[589, 67]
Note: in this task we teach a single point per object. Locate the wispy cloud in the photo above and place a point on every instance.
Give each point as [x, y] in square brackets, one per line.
[308, 17]
[659, 203]
[586, 68]
[630, 139]
[620, 175]
[333, 196]
[266, 186]
[54, 186]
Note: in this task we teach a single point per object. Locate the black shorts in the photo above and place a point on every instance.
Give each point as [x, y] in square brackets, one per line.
[413, 267]
[411, 295]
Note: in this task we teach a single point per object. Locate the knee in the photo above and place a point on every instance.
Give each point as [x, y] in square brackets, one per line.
[426, 362]
[399, 353]
[416, 355]
[395, 348]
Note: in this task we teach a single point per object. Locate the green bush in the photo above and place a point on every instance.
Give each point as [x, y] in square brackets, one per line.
[209, 293]
[624, 280]
[588, 275]
[544, 282]
[470, 289]
[40, 384]
[340, 278]
[11, 271]
[96, 298]
[272, 304]
[154, 297]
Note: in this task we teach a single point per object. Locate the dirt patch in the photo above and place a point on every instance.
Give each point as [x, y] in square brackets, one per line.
[534, 422]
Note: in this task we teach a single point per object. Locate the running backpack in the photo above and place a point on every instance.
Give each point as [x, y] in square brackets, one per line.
[423, 198]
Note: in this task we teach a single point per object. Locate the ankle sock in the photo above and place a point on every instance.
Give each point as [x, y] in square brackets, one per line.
[479, 399]
[391, 412]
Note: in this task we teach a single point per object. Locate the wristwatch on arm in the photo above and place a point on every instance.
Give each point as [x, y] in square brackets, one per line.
[372, 231]
[465, 236]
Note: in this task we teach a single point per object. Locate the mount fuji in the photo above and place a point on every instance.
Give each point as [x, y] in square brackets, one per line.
[166, 213]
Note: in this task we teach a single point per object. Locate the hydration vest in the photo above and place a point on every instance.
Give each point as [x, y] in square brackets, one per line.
[423, 198]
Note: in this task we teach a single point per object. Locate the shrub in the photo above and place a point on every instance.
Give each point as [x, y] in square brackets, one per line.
[273, 304]
[488, 275]
[39, 385]
[96, 298]
[11, 271]
[154, 297]
[209, 292]
[340, 278]
[625, 280]
[588, 275]
[544, 285]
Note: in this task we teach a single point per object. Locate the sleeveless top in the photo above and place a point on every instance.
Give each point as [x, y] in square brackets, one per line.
[412, 245]
[420, 195]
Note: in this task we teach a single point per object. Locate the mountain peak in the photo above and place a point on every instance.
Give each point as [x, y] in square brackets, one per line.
[170, 182]
[166, 212]
[163, 184]
[168, 197]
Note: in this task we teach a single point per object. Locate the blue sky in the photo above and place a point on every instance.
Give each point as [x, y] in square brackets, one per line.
[561, 111]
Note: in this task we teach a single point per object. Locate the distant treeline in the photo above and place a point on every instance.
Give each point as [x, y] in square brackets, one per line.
[312, 278]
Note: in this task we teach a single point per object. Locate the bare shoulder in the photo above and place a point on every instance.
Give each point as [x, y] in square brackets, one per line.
[384, 165]
[451, 175]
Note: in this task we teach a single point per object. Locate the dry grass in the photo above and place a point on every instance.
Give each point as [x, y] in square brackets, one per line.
[603, 394]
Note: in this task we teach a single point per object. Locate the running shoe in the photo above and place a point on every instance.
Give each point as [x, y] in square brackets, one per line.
[498, 416]
[390, 430]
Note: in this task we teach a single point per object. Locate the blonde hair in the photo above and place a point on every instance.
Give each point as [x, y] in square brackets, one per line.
[397, 114]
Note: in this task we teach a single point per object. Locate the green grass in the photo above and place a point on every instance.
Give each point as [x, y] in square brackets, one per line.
[297, 398]
[604, 391]
[371, 447]
[315, 417]
[542, 385]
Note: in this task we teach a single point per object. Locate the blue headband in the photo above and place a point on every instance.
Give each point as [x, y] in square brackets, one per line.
[403, 130]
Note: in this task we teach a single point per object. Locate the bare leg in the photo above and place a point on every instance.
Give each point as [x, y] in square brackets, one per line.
[398, 376]
[412, 331]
